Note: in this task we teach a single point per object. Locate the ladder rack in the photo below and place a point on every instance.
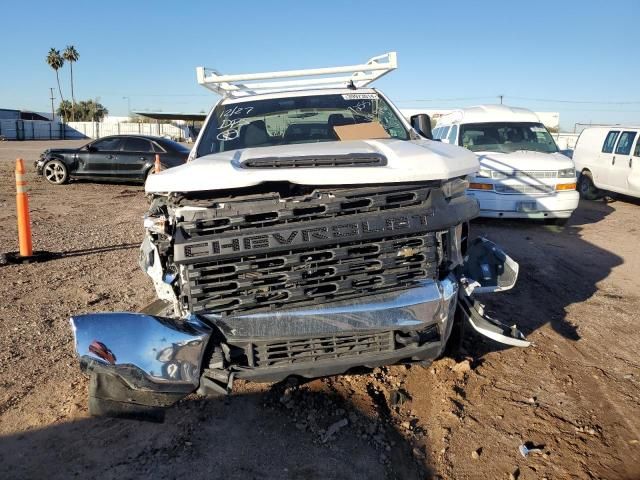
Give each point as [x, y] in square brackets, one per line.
[295, 80]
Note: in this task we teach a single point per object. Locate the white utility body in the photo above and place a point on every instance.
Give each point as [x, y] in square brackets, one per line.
[522, 174]
[608, 158]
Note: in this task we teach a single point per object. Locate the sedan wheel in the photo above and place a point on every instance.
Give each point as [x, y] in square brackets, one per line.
[55, 172]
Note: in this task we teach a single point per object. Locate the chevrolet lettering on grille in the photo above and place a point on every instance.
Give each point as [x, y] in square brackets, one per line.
[312, 234]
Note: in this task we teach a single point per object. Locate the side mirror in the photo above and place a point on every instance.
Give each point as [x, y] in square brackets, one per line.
[91, 148]
[422, 123]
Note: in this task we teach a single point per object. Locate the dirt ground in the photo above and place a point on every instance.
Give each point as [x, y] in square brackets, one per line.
[575, 393]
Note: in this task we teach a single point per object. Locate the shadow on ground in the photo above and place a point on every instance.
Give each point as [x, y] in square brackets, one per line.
[557, 269]
[250, 436]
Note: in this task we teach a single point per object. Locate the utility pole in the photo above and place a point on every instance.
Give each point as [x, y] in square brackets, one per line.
[500, 98]
[53, 112]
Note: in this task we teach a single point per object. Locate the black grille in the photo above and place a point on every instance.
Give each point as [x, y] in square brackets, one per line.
[367, 160]
[271, 209]
[264, 253]
[317, 349]
[340, 272]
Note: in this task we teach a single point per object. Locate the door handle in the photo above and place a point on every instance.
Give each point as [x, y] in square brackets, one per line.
[109, 157]
[630, 162]
[613, 162]
[143, 158]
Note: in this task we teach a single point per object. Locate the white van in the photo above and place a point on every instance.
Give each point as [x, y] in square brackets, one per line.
[608, 158]
[522, 174]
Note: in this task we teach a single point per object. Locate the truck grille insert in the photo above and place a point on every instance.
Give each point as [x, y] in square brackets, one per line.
[333, 246]
[317, 349]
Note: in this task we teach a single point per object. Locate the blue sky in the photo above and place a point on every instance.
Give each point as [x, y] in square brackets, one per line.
[543, 55]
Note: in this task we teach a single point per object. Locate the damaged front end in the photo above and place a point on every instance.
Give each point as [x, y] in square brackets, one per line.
[277, 301]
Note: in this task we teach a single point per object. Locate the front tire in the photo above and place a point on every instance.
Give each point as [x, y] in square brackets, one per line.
[586, 187]
[55, 172]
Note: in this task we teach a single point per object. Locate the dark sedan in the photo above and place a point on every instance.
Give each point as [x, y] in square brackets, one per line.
[119, 158]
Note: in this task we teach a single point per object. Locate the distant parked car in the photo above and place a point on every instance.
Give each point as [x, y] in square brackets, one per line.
[608, 160]
[118, 157]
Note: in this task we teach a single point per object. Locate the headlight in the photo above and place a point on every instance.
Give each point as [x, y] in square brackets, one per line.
[483, 173]
[567, 173]
[455, 188]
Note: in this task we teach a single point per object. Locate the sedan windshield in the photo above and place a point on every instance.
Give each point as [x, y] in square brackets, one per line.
[506, 137]
[286, 121]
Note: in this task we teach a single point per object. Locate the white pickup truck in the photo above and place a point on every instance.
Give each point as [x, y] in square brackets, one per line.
[314, 230]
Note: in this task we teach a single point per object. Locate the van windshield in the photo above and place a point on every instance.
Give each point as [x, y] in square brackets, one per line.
[506, 137]
[285, 121]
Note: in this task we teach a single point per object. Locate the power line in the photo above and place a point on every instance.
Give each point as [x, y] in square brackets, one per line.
[459, 99]
[592, 102]
[510, 97]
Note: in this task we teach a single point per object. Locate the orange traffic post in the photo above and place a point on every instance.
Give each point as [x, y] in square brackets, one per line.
[22, 207]
[156, 168]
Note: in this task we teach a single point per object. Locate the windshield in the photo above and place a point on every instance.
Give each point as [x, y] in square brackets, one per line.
[506, 137]
[286, 121]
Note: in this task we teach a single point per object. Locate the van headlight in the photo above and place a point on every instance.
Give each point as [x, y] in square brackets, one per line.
[483, 173]
[567, 173]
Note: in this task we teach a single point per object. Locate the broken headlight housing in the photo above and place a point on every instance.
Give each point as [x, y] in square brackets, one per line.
[156, 223]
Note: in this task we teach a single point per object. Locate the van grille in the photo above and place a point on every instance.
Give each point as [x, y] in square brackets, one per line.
[519, 189]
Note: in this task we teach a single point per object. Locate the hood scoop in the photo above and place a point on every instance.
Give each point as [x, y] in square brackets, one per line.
[349, 160]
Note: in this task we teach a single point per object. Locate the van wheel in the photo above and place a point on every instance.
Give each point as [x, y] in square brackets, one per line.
[587, 189]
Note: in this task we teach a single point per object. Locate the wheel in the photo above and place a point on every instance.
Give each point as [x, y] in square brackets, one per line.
[55, 172]
[587, 189]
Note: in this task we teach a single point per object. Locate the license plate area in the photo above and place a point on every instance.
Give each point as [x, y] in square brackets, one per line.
[527, 207]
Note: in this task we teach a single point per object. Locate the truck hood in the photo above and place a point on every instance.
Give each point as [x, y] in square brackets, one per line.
[524, 160]
[407, 161]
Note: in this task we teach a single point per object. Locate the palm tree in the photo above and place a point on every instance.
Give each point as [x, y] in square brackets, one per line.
[64, 109]
[71, 55]
[91, 111]
[55, 61]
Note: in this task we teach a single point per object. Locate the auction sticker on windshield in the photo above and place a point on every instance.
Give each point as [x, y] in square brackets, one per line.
[360, 96]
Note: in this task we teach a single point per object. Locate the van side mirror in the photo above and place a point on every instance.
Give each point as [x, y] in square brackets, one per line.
[422, 123]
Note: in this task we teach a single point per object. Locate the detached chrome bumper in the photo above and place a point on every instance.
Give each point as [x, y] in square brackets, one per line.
[155, 361]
